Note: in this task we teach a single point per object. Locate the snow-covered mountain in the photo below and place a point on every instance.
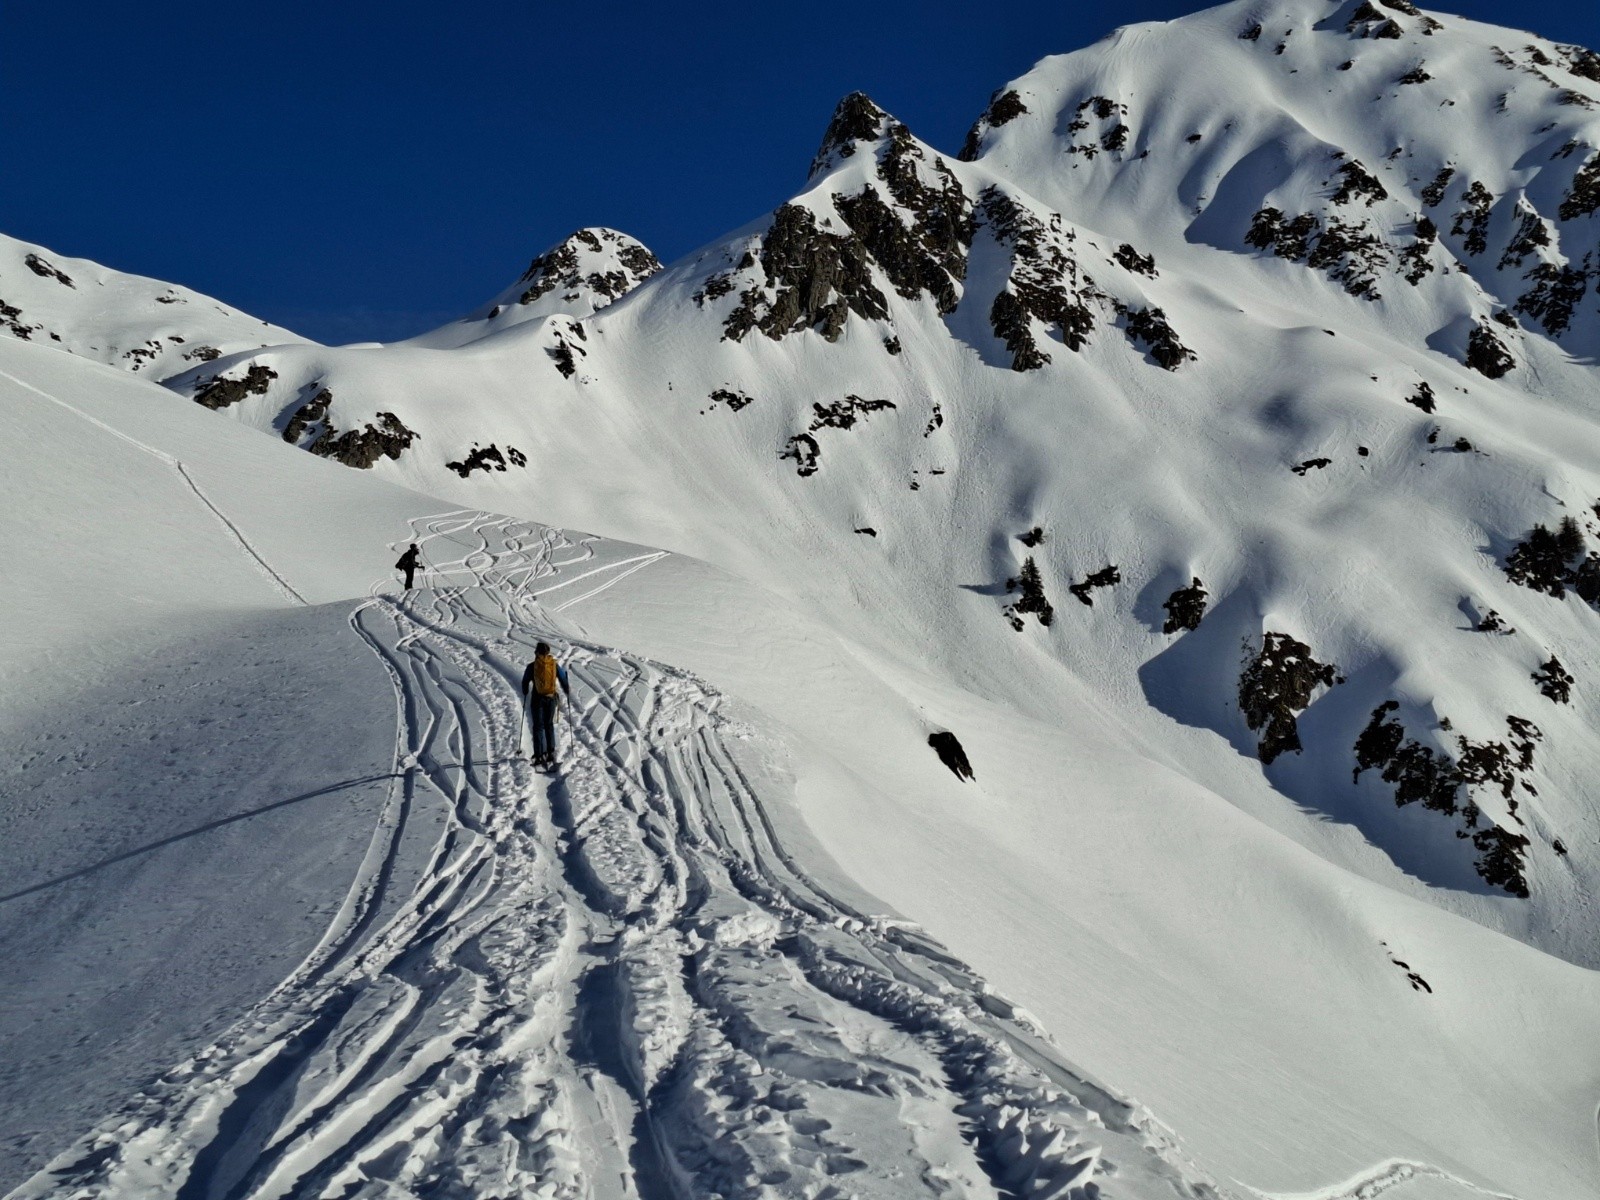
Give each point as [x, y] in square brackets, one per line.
[1213, 445]
[577, 277]
[141, 325]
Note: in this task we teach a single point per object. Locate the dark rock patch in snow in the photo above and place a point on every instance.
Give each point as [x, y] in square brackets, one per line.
[1554, 297]
[1275, 686]
[312, 412]
[1004, 106]
[222, 391]
[1554, 681]
[1105, 577]
[44, 269]
[805, 452]
[816, 279]
[1435, 778]
[1487, 354]
[1310, 464]
[1423, 397]
[487, 458]
[948, 747]
[1031, 599]
[1186, 607]
[562, 266]
[1434, 192]
[734, 400]
[856, 118]
[361, 448]
[1149, 327]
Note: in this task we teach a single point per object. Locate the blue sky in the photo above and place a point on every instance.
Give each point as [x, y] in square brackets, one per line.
[362, 170]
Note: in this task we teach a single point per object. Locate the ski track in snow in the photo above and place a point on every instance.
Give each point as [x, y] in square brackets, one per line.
[615, 982]
[1381, 1179]
[278, 581]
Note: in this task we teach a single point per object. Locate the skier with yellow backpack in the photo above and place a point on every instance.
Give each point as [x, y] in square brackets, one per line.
[540, 684]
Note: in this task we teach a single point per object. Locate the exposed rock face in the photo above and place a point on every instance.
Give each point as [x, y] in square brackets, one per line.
[45, 270]
[948, 747]
[222, 392]
[388, 438]
[1350, 253]
[606, 263]
[856, 118]
[1583, 198]
[814, 280]
[314, 411]
[1186, 607]
[1554, 681]
[1487, 354]
[732, 399]
[1555, 295]
[1004, 106]
[1031, 599]
[930, 253]
[1423, 397]
[1103, 578]
[1148, 327]
[802, 448]
[1276, 685]
[1435, 778]
[487, 458]
[1045, 283]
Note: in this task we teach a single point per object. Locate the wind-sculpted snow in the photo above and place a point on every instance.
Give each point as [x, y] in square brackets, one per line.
[614, 982]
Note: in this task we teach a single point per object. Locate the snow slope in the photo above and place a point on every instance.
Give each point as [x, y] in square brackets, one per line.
[854, 409]
[141, 325]
[456, 975]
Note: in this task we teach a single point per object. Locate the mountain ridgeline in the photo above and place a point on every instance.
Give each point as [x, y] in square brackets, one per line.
[1299, 299]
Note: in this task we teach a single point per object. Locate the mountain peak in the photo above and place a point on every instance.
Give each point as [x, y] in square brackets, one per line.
[594, 265]
[856, 118]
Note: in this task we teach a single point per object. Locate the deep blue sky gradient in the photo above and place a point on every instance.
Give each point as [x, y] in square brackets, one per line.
[358, 170]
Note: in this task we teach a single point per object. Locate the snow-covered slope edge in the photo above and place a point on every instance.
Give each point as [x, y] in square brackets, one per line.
[137, 324]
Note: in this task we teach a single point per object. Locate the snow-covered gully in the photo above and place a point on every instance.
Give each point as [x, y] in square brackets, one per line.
[612, 983]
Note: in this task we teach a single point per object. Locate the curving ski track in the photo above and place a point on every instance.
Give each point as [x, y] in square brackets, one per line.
[611, 983]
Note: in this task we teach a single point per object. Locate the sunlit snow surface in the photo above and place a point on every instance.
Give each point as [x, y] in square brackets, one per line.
[617, 981]
[1311, 986]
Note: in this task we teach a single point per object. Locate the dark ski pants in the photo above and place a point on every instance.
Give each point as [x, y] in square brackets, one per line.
[411, 574]
[543, 716]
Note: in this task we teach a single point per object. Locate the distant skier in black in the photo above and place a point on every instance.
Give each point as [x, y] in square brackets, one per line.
[540, 682]
[409, 562]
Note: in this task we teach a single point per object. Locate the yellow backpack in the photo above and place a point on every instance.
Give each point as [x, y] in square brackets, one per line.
[544, 675]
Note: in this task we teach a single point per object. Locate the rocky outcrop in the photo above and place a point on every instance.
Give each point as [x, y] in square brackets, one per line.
[487, 458]
[1105, 577]
[313, 412]
[1185, 608]
[384, 437]
[1487, 354]
[1004, 106]
[921, 242]
[1276, 685]
[856, 119]
[1435, 779]
[605, 263]
[1045, 283]
[1029, 587]
[222, 392]
[815, 279]
[46, 270]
